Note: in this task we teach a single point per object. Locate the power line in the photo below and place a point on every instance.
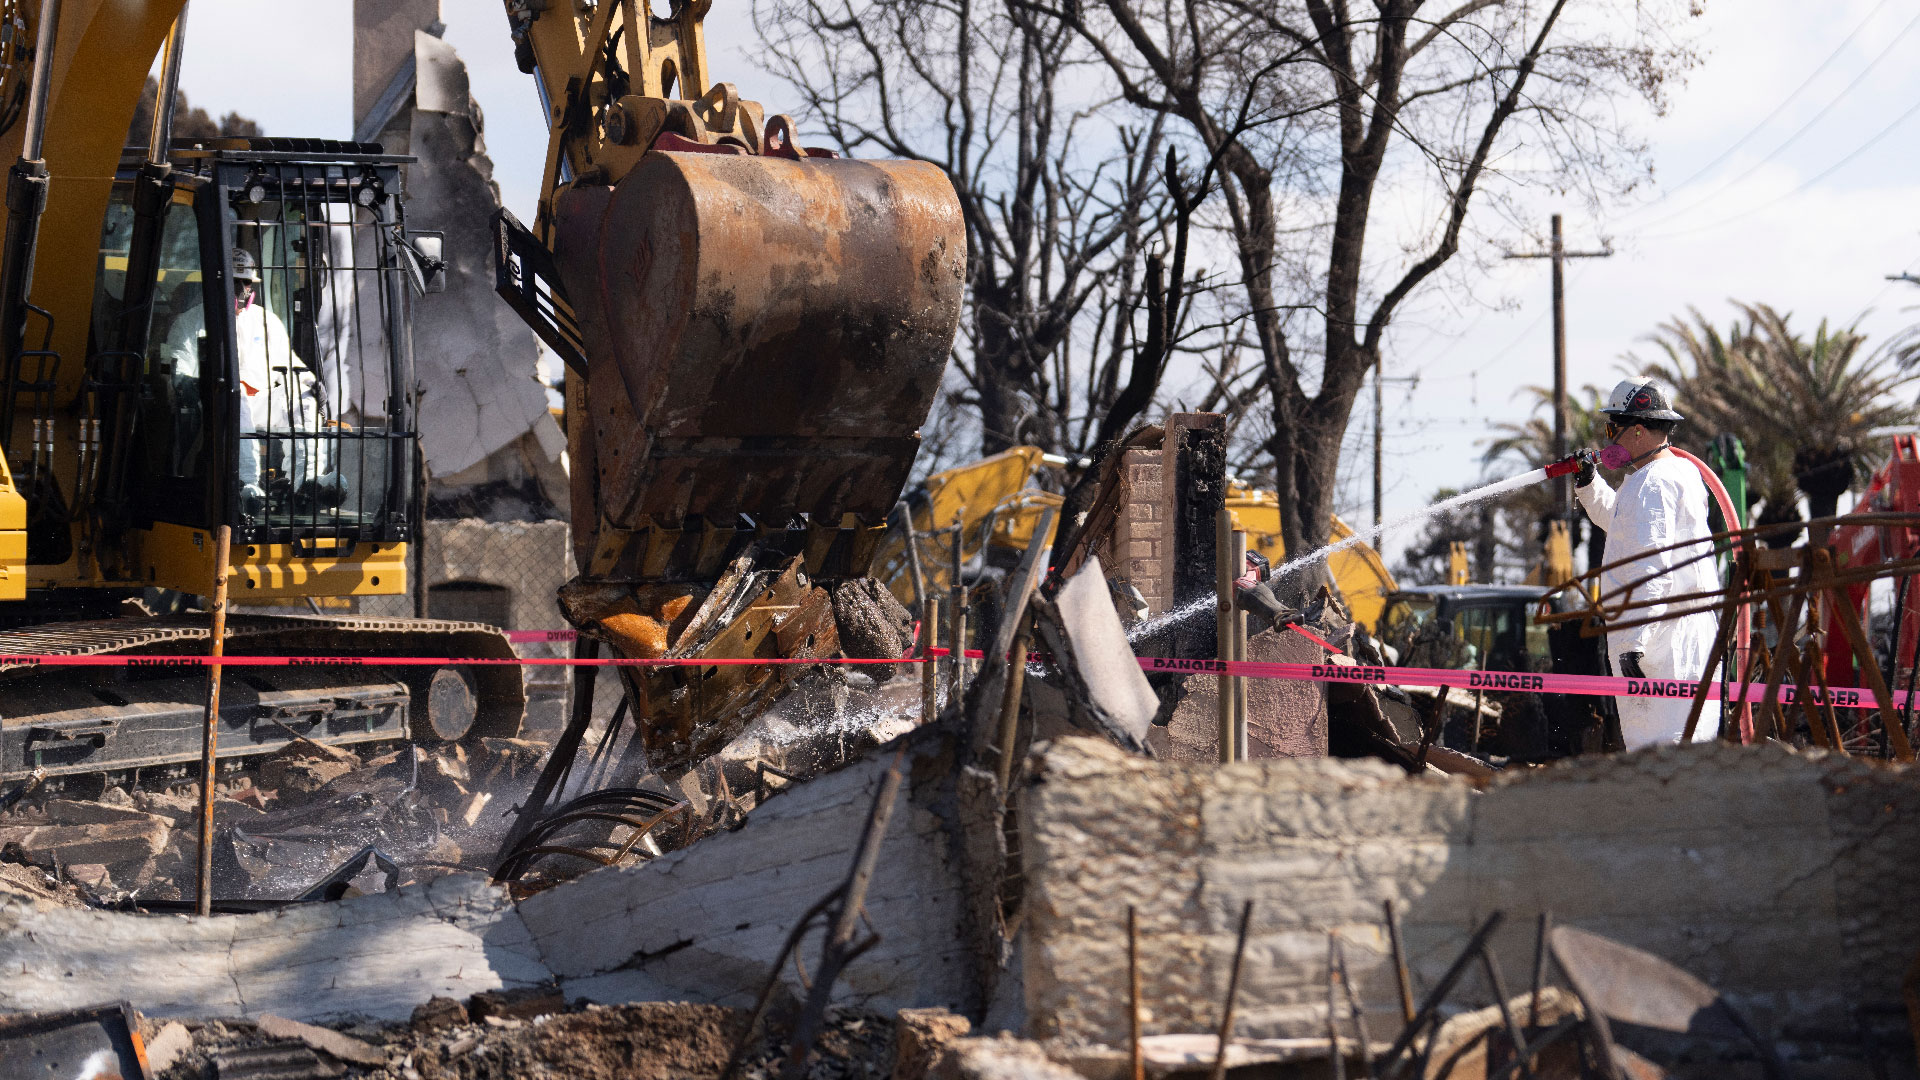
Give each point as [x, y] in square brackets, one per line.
[1804, 128]
[1829, 171]
[1769, 118]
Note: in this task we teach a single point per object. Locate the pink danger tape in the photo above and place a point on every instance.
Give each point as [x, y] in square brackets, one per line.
[541, 635]
[1844, 697]
[414, 661]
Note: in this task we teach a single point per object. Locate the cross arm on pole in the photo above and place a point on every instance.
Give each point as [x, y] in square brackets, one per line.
[1606, 253]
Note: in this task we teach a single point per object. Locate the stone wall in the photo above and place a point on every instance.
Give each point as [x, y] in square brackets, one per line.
[1785, 879]
[1285, 717]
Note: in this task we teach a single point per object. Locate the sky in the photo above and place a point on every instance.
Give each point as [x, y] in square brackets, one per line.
[1787, 172]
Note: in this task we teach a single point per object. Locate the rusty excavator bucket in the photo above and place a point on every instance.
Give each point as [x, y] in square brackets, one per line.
[765, 337]
[754, 333]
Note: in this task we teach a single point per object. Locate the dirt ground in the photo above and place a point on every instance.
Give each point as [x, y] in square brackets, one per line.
[652, 1041]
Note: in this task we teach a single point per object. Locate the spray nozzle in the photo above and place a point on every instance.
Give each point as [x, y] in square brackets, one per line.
[1569, 464]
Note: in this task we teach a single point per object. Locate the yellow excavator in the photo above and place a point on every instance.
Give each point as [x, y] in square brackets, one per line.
[997, 501]
[196, 337]
[216, 335]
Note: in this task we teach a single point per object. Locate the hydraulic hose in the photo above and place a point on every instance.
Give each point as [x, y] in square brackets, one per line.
[1743, 625]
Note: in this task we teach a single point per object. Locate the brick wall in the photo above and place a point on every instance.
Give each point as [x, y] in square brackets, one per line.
[1138, 547]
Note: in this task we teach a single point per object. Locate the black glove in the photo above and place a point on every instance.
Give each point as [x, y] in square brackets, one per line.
[1630, 665]
[1259, 599]
[1584, 474]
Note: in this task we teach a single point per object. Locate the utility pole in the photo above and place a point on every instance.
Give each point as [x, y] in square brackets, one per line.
[1379, 423]
[1379, 414]
[1563, 487]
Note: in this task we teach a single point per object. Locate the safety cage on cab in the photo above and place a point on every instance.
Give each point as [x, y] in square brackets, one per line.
[272, 376]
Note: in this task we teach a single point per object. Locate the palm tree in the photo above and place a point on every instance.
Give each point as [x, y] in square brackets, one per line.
[1803, 408]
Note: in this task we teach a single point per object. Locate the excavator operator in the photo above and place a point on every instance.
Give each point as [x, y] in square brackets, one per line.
[279, 396]
[1662, 502]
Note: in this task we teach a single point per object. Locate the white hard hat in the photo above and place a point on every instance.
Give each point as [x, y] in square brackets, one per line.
[1641, 398]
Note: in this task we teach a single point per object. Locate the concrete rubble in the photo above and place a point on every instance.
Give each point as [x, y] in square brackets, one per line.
[1768, 882]
[1050, 876]
[1779, 877]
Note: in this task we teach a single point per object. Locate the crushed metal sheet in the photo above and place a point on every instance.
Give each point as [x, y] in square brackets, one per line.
[1106, 690]
[98, 1043]
[289, 1060]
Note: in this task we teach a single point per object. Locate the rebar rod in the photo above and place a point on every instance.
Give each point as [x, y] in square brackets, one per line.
[1135, 1057]
[1233, 994]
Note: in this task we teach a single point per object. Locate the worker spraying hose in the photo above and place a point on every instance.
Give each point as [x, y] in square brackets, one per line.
[1662, 502]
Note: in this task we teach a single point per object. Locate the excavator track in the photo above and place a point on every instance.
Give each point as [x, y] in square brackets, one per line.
[81, 721]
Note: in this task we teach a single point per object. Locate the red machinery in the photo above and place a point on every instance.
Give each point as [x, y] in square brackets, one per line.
[1895, 489]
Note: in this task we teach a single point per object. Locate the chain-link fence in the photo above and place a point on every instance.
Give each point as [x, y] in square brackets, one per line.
[505, 574]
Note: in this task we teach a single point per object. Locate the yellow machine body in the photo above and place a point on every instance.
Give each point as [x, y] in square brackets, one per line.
[103, 52]
[182, 558]
[1358, 571]
[998, 501]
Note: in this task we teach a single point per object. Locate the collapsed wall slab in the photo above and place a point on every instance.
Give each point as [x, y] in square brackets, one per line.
[375, 956]
[1777, 876]
[702, 924]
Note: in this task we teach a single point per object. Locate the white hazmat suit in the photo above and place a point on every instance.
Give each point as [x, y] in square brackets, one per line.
[278, 394]
[1662, 503]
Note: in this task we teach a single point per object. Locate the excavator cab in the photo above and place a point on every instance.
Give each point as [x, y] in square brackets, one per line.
[250, 362]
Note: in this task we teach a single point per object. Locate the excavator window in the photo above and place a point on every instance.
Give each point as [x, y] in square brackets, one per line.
[1488, 632]
[175, 408]
[1405, 617]
[318, 355]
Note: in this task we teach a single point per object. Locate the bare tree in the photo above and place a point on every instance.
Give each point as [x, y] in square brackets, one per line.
[1319, 114]
[1063, 203]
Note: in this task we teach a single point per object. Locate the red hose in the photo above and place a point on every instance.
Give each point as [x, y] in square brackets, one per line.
[1743, 627]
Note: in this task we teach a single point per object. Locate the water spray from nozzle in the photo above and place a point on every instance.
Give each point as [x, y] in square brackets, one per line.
[1196, 607]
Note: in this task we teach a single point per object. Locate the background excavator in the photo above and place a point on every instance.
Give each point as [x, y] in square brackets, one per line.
[997, 502]
[198, 336]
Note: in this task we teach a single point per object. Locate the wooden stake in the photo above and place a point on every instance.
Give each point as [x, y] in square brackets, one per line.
[1233, 993]
[1539, 968]
[957, 636]
[1241, 752]
[1336, 1061]
[210, 735]
[1400, 973]
[930, 670]
[1225, 573]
